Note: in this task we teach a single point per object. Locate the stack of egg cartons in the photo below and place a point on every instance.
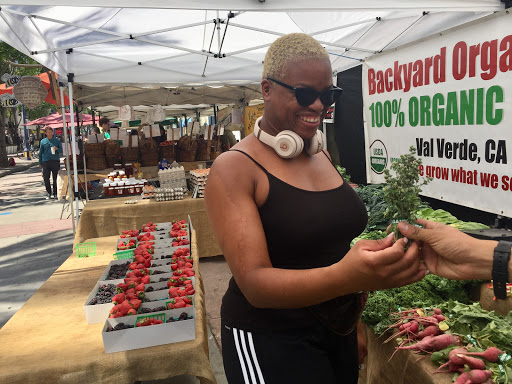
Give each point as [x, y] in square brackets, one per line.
[198, 178]
[173, 177]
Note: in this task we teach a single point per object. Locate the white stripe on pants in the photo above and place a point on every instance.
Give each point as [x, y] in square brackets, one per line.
[246, 356]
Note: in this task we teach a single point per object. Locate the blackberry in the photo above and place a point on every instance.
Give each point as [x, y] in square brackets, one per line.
[170, 320]
[119, 327]
[183, 316]
[150, 289]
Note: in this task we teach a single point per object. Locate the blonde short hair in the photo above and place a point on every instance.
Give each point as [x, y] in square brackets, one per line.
[291, 48]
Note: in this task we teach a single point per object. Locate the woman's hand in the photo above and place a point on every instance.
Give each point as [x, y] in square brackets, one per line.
[382, 264]
[450, 253]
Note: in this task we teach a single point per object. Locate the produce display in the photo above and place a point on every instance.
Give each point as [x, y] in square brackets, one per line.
[465, 341]
[145, 285]
[434, 316]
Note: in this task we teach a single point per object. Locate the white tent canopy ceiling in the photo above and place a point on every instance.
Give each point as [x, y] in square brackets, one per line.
[191, 96]
[196, 43]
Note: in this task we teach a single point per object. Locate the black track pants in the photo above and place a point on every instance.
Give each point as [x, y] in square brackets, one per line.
[294, 356]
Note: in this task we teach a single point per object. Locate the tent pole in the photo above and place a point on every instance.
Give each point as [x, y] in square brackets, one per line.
[66, 142]
[70, 95]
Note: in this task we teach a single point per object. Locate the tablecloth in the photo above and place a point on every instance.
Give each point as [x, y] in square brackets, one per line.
[49, 341]
[109, 217]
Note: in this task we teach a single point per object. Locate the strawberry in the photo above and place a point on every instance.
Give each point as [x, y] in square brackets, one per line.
[191, 291]
[130, 296]
[140, 287]
[132, 312]
[187, 300]
[188, 305]
[180, 304]
[172, 283]
[190, 272]
[147, 263]
[145, 279]
[178, 272]
[188, 265]
[119, 298]
[170, 306]
[174, 266]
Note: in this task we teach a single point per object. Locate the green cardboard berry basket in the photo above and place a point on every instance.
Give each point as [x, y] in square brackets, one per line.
[85, 249]
[158, 316]
[122, 255]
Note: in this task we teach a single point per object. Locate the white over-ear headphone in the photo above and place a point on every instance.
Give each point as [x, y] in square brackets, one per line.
[288, 144]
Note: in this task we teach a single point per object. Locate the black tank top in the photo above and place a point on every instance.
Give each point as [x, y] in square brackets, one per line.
[304, 229]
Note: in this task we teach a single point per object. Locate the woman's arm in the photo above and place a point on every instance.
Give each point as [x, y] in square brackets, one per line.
[234, 216]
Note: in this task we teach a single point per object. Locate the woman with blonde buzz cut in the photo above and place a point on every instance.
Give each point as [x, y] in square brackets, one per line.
[284, 219]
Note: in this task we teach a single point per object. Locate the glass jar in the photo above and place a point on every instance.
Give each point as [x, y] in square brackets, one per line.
[131, 188]
[118, 166]
[138, 187]
[112, 189]
[105, 188]
[120, 188]
[128, 169]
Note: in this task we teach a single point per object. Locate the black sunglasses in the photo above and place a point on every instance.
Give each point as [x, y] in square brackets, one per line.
[307, 96]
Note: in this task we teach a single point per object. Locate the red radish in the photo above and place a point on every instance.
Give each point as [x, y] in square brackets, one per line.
[491, 354]
[439, 317]
[411, 329]
[434, 343]
[472, 362]
[453, 359]
[475, 376]
[437, 311]
[431, 330]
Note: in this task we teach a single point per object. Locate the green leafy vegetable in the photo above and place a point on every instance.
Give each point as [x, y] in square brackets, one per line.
[401, 192]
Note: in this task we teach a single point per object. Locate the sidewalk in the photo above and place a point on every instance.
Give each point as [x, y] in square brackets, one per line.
[21, 165]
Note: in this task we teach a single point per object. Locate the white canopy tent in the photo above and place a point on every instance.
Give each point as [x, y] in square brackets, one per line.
[169, 43]
[221, 42]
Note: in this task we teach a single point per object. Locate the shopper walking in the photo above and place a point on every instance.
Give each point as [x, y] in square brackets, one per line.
[50, 150]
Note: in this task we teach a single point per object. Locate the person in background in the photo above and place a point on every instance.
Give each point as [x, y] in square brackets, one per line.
[50, 150]
[284, 219]
[450, 253]
[96, 131]
[228, 140]
[104, 123]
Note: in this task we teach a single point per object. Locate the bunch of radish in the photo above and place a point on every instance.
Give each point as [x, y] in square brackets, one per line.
[425, 328]
[422, 330]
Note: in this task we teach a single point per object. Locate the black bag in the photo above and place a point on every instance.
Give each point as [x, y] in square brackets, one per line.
[340, 314]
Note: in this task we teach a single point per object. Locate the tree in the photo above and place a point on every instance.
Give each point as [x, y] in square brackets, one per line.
[10, 55]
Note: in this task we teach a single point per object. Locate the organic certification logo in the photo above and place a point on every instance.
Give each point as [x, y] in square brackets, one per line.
[378, 156]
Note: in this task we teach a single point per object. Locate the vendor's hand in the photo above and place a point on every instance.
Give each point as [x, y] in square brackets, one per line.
[40, 165]
[450, 253]
[361, 343]
[382, 264]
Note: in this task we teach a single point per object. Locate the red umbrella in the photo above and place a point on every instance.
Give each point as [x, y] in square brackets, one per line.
[55, 120]
[46, 82]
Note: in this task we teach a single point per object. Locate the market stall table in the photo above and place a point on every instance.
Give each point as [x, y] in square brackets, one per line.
[49, 341]
[148, 173]
[111, 216]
